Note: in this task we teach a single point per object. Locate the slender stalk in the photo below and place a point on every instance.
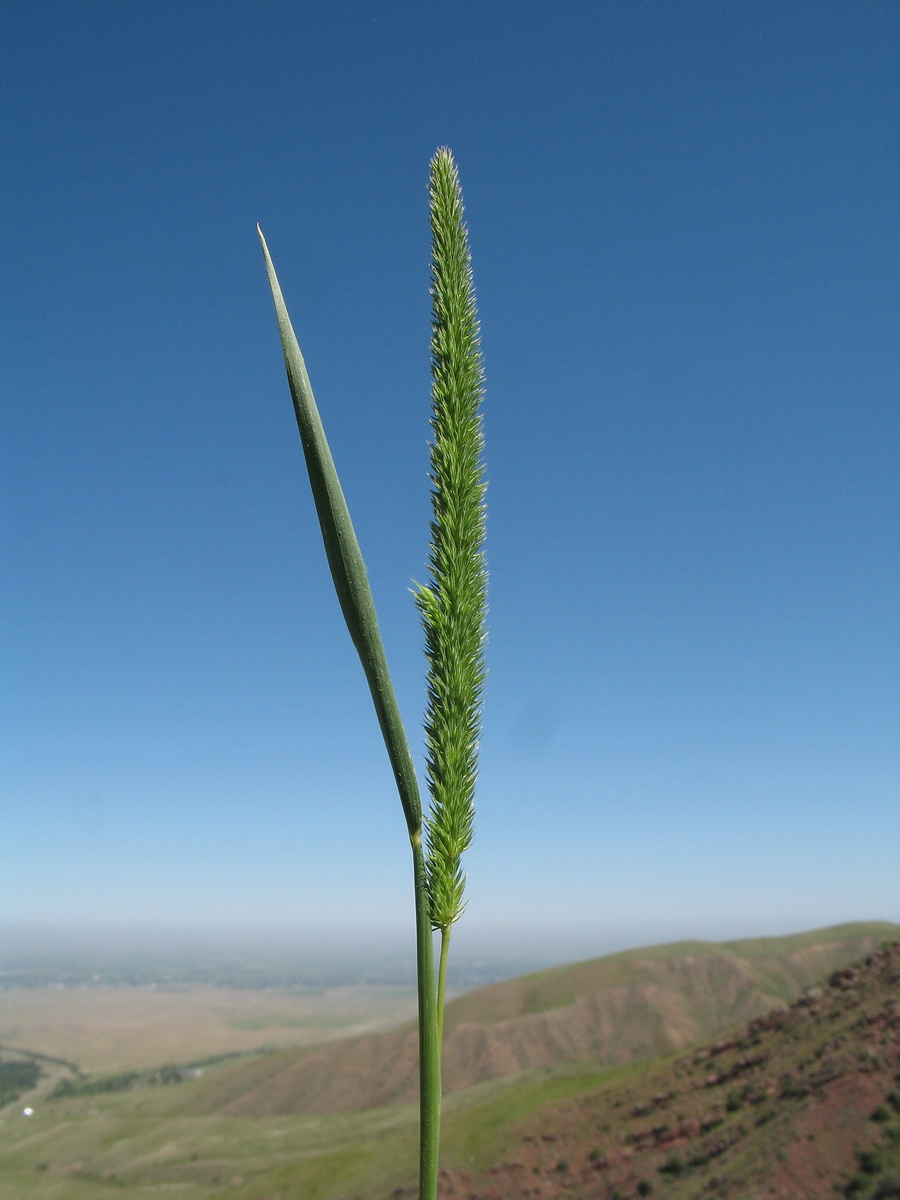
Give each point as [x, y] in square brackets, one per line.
[442, 982]
[429, 1036]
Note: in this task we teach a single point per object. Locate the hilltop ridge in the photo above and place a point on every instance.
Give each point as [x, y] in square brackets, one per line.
[613, 1010]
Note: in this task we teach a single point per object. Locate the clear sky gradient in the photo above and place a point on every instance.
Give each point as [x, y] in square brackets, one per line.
[684, 227]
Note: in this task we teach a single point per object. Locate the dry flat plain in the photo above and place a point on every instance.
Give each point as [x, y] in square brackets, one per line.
[103, 1029]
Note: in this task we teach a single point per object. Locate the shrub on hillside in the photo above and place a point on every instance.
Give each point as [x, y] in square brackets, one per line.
[15, 1078]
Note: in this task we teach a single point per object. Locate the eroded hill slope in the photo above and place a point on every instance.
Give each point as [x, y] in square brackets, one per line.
[801, 1104]
[606, 1011]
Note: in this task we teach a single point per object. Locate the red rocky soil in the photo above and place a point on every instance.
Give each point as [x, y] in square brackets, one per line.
[780, 1110]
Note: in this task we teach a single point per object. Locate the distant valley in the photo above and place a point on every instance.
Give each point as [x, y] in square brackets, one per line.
[576, 1081]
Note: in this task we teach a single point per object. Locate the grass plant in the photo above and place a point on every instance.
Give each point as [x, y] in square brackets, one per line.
[452, 607]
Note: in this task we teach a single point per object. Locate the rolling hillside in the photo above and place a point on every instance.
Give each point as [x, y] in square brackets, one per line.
[801, 1104]
[749, 1115]
[607, 1011]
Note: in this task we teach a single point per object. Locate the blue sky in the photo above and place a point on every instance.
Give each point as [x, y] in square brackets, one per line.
[683, 221]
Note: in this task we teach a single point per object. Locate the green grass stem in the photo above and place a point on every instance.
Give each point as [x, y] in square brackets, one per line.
[442, 982]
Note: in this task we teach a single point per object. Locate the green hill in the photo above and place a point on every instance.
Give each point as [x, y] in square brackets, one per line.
[760, 1099]
[801, 1104]
[607, 1011]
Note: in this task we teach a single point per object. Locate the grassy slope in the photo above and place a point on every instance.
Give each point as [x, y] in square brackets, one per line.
[608, 1011]
[804, 1103]
[125, 1143]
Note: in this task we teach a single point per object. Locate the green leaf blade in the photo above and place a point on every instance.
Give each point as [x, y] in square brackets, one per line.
[345, 560]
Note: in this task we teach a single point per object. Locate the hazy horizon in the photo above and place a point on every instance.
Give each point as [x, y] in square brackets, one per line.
[473, 938]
